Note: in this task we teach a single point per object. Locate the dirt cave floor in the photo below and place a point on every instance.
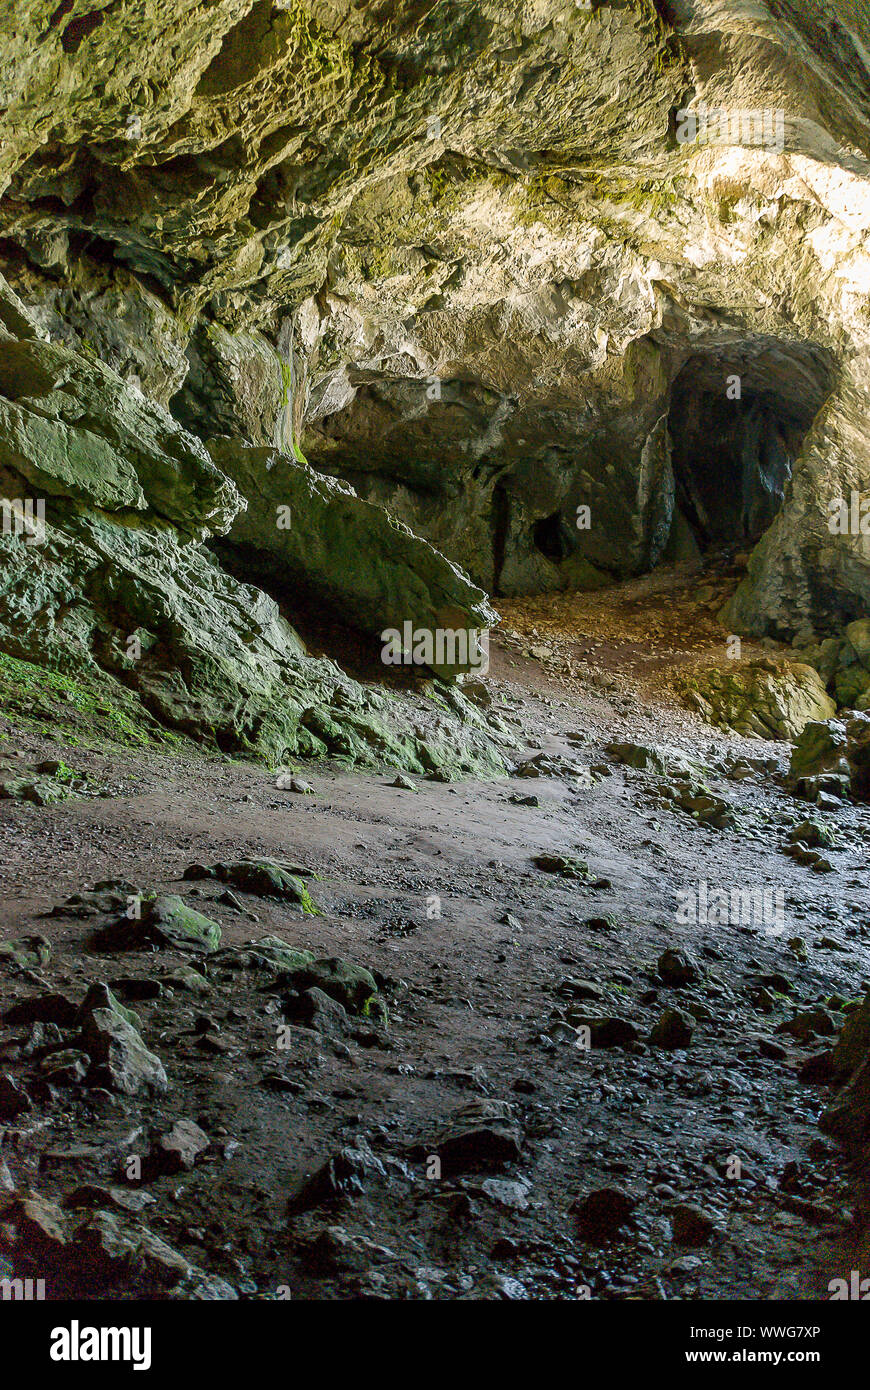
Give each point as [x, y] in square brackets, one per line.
[486, 962]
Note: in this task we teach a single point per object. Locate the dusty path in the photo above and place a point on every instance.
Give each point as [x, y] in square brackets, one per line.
[415, 885]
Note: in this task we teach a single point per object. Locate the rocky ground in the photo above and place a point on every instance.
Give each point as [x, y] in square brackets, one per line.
[506, 1069]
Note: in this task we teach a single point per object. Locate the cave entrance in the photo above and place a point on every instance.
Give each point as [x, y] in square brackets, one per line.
[553, 538]
[738, 418]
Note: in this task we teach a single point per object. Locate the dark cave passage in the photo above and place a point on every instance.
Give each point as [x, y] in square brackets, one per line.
[752, 455]
[706, 471]
[736, 425]
[552, 537]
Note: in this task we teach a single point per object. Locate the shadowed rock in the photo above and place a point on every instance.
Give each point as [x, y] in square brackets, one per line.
[349, 553]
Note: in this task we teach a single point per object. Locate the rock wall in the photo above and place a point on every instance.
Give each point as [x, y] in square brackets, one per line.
[106, 578]
[460, 256]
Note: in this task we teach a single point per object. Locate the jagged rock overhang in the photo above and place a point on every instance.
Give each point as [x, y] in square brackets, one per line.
[257, 173]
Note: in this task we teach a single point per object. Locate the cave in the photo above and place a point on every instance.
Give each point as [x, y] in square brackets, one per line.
[736, 425]
[434, 676]
[552, 537]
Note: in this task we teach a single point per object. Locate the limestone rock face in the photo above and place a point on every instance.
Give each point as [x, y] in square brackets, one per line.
[215, 658]
[762, 699]
[112, 583]
[235, 385]
[833, 756]
[105, 312]
[314, 531]
[71, 428]
[844, 664]
[473, 259]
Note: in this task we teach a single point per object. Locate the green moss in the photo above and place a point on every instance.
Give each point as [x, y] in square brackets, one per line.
[306, 902]
[328, 56]
[650, 196]
[63, 773]
[287, 395]
[381, 263]
[549, 197]
[437, 180]
[375, 1008]
[83, 713]
[445, 187]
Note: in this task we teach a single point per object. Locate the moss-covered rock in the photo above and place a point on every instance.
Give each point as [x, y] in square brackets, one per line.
[351, 986]
[277, 954]
[163, 920]
[124, 630]
[26, 952]
[349, 553]
[112, 588]
[264, 877]
[99, 996]
[833, 756]
[656, 758]
[762, 699]
[843, 663]
[72, 428]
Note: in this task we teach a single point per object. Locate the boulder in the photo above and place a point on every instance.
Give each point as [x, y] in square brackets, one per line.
[99, 996]
[480, 1135]
[853, 1044]
[265, 878]
[44, 1008]
[312, 1008]
[674, 1029]
[678, 968]
[344, 1175]
[176, 1150]
[164, 921]
[119, 1058]
[656, 758]
[848, 1115]
[351, 986]
[833, 756]
[67, 1067]
[107, 1250]
[602, 1214]
[605, 1030]
[275, 954]
[763, 699]
[691, 1225]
